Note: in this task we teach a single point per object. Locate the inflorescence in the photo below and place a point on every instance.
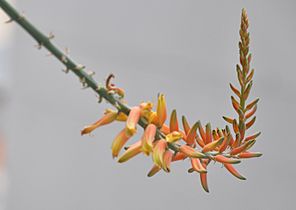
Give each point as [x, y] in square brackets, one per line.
[165, 141]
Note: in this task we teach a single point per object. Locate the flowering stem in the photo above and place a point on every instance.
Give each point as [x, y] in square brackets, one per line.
[78, 70]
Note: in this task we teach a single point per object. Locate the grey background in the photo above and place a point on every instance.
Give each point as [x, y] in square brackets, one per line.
[185, 49]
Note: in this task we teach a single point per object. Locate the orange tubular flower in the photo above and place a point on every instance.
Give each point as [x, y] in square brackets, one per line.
[249, 154]
[197, 165]
[243, 147]
[191, 134]
[174, 125]
[186, 126]
[223, 159]
[161, 110]
[131, 152]
[233, 171]
[153, 170]
[225, 143]
[167, 159]
[190, 152]
[179, 156]
[203, 177]
[208, 134]
[133, 119]
[202, 132]
[148, 138]
[119, 142]
[108, 118]
[158, 152]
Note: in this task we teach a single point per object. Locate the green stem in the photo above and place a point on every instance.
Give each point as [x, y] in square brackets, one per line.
[78, 70]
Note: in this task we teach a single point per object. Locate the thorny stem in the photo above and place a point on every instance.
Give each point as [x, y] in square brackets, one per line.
[78, 70]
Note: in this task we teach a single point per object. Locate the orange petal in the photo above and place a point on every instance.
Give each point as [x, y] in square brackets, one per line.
[192, 134]
[252, 104]
[119, 142]
[167, 159]
[185, 125]
[174, 126]
[158, 152]
[131, 152]
[161, 110]
[252, 112]
[225, 143]
[250, 76]
[191, 152]
[233, 171]
[179, 156]
[237, 141]
[247, 91]
[153, 170]
[197, 166]
[235, 103]
[249, 154]
[235, 126]
[133, 119]
[228, 119]
[165, 129]
[208, 133]
[106, 119]
[252, 137]
[203, 179]
[251, 122]
[215, 134]
[199, 141]
[211, 146]
[148, 138]
[243, 147]
[201, 131]
[235, 90]
[223, 159]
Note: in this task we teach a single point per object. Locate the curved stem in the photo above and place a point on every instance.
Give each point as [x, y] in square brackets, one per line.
[78, 70]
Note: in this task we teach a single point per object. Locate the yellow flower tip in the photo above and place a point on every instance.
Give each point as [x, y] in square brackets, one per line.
[158, 152]
[131, 152]
[121, 117]
[191, 152]
[148, 138]
[161, 110]
[119, 142]
[146, 105]
[108, 118]
[174, 136]
[133, 119]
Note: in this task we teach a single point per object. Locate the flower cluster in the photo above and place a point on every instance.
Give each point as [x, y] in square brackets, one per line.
[167, 142]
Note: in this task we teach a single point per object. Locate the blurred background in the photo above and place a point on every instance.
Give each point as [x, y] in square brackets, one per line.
[185, 49]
